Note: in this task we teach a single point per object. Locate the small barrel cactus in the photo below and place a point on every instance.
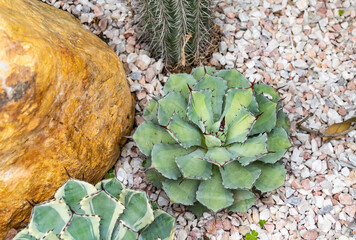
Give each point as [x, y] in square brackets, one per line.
[212, 137]
[107, 211]
[178, 30]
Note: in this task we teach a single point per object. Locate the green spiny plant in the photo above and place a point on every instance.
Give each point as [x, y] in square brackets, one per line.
[107, 211]
[212, 137]
[178, 30]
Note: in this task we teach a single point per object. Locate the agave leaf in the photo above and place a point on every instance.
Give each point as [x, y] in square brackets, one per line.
[267, 121]
[174, 102]
[199, 72]
[123, 233]
[49, 236]
[216, 127]
[186, 134]
[212, 141]
[82, 227]
[277, 145]
[193, 166]
[200, 110]
[151, 112]
[282, 121]
[198, 209]
[180, 83]
[234, 175]
[105, 206]
[218, 86]
[112, 186]
[212, 194]
[156, 135]
[272, 176]
[161, 228]
[138, 212]
[266, 89]
[251, 150]
[240, 127]
[155, 177]
[219, 156]
[48, 215]
[24, 235]
[233, 77]
[234, 100]
[243, 200]
[181, 191]
[163, 159]
[73, 191]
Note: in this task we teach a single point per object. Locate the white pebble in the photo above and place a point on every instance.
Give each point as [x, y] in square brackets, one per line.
[345, 171]
[265, 214]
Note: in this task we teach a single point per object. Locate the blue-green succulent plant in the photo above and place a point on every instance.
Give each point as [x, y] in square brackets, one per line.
[80, 211]
[213, 137]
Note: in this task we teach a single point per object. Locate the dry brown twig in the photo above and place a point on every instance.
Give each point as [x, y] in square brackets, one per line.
[187, 37]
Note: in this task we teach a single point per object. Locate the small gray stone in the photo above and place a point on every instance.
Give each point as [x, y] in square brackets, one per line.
[218, 56]
[248, 35]
[329, 103]
[135, 76]
[243, 17]
[299, 63]
[181, 234]
[293, 201]
[326, 184]
[162, 201]
[323, 22]
[158, 66]
[229, 28]
[222, 47]
[354, 32]
[144, 58]
[325, 209]
[273, 44]
[135, 87]
[131, 58]
[189, 216]
[289, 192]
[297, 29]
[302, 4]
[353, 193]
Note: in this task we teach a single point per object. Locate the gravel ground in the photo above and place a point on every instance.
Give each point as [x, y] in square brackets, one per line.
[307, 49]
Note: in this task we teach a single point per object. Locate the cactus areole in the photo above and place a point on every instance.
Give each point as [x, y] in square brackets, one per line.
[108, 211]
[212, 137]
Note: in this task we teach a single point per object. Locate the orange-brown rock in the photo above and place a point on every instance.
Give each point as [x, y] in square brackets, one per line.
[64, 103]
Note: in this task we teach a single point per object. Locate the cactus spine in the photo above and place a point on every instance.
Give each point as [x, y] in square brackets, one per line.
[178, 30]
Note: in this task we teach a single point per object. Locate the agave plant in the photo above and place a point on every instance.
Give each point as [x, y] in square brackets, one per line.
[177, 30]
[212, 137]
[107, 211]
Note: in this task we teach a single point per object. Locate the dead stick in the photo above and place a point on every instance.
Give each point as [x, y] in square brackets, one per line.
[183, 48]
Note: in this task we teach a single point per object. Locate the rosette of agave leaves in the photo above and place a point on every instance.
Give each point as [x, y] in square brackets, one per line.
[213, 137]
[80, 211]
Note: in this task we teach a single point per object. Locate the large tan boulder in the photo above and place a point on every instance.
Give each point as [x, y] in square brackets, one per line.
[64, 103]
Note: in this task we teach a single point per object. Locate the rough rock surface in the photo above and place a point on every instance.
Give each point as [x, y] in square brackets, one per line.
[64, 103]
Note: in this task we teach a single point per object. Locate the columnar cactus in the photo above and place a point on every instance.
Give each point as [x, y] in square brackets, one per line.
[176, 29]
[213, 136]
[107, 211]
